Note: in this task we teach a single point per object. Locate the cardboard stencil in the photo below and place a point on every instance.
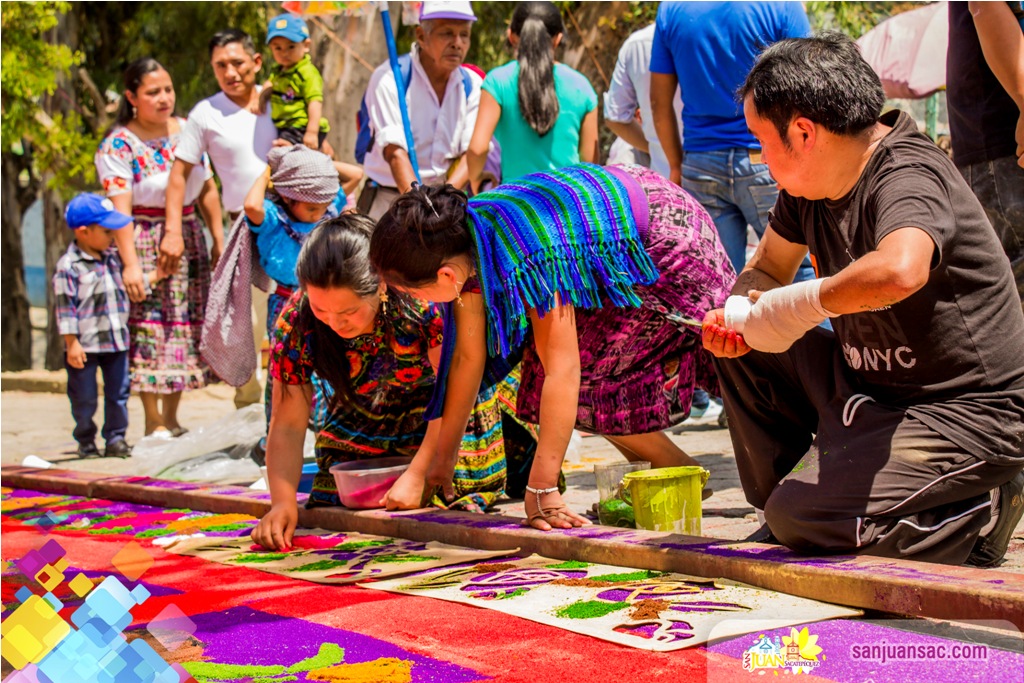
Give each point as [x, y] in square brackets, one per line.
[638, 608]
[333, 557]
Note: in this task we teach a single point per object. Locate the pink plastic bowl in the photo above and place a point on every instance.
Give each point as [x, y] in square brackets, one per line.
[362, 483]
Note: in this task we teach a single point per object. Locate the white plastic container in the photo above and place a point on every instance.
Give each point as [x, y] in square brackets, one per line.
[362, 483]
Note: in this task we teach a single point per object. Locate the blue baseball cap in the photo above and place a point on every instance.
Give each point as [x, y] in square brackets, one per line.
[290, 26]
[91, 209]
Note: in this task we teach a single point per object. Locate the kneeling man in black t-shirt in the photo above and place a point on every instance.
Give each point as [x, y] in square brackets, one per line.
[902, 433]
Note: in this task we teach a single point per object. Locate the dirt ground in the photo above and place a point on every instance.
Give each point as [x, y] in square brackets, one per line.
[40, 424]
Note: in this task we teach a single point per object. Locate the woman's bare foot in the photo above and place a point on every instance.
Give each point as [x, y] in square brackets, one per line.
[545, 511]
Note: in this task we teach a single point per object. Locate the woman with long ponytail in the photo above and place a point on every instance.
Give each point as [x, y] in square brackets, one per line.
[543, 113]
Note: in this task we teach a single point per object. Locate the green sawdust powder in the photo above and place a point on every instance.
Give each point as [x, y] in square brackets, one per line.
[111, 530]
[153, 533]
[357, 545]
[404, 558]
[514, 594]
[641, 575]
[260, 557]
[589, 609]
[229, 527]
[329, 655]
[319, 566]
[275, 679]
[208, 672]
[571, 564]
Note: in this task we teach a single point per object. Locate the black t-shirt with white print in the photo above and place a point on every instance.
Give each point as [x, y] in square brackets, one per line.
[953, 352]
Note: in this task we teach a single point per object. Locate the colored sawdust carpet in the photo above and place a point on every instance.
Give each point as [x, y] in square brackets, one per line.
[638, 608]
[332, 557]
[97, 517]
[133, 613]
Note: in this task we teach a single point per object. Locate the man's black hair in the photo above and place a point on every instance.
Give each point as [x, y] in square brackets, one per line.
[823, 78]
[232, 35]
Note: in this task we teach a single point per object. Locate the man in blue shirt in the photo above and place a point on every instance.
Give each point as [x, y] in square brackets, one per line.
[707, 48]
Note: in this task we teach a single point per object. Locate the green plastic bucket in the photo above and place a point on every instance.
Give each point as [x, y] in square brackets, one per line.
[667, 499]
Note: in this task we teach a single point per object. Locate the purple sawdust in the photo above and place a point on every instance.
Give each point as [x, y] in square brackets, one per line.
[838, 638]
[240, 636]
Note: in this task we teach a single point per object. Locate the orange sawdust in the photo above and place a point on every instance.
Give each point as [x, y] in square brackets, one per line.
[200, 523]
[383, 670]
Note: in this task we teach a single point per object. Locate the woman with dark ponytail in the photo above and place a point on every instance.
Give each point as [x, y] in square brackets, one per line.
[597, 276]
[543, 113]
[376, 355]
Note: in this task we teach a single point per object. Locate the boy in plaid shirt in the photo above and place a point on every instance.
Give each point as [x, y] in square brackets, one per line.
[92, 314]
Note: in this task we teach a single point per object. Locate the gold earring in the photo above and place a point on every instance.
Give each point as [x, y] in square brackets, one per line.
[384, 301]
[458, 294]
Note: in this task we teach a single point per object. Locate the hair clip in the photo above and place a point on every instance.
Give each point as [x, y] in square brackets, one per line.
[426, 197]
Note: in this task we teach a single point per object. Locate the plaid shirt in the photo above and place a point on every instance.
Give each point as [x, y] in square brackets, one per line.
[91, 300]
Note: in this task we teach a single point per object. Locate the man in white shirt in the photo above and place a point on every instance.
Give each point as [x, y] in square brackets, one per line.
[630, 90]
[441, 113]
[237, 142]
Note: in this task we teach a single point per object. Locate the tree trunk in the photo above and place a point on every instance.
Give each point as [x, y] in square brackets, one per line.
[55, 232]
[56, 237]
[15, 326]
[346, 76]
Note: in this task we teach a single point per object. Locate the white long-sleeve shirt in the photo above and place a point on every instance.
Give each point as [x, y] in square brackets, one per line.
[441, 129]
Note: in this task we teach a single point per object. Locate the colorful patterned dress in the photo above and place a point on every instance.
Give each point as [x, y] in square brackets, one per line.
[166, 327]
[640, 365]
[393, 381]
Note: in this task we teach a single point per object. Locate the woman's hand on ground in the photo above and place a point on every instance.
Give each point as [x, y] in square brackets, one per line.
[407, 493]
[277, 527]
[718, 339]
[558, 516]
[172, 246]
[134, 283]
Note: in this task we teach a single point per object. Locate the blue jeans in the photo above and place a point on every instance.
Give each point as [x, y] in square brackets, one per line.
[84, 395]
[736, 193]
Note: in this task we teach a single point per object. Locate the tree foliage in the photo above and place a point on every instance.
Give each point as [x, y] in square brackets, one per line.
[34, 64]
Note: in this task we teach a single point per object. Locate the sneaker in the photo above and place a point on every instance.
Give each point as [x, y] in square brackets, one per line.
[990, 549]
[117, 449]
[87, 450]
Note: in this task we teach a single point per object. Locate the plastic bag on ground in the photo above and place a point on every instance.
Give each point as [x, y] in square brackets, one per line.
[242, 427]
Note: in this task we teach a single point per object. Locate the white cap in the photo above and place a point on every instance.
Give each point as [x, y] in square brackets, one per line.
[438, 9]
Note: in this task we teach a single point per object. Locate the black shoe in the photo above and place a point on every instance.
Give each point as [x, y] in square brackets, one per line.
[87, 450]
[117, 449]
[762, 535]
[990, 549]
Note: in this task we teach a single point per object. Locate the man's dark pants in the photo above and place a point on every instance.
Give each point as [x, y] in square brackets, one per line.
[999, 186]
[84, 394]
[837, 472]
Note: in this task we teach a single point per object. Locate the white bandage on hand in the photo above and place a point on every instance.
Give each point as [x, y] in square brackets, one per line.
[783, 315]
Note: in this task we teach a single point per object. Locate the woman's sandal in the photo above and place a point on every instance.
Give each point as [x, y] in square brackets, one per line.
[542, 513]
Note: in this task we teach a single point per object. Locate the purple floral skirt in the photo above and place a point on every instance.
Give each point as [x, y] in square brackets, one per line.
[640, 366]
[166, 327]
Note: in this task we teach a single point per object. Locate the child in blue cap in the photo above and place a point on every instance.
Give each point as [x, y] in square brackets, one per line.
[92, 315]
[296, 88]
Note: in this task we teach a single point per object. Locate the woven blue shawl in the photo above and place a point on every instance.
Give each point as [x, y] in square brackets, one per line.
[568, 232]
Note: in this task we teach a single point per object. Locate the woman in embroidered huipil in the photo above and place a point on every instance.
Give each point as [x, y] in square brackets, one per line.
[599, 276]
[377, 357]
[165, 323]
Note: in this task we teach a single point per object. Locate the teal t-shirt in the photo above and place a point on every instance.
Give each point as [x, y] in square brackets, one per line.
[522, 150]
